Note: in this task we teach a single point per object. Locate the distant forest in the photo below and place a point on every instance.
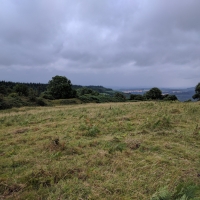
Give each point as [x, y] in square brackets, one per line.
[8, 86]
[59, 91]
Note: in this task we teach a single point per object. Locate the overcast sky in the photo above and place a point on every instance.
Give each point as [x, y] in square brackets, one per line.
[125, 43]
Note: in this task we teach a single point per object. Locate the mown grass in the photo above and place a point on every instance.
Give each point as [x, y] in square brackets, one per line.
[100, 151]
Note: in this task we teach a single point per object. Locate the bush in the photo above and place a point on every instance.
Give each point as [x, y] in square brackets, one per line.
[119, 96]
[138, 97]
[21, 89]
[67, 101]
[4, 104]
[189, 100]
[3, 89]
[32, 95]
[40, 102]
[17, 101]
[1, 97]
[47, 95]
[13, 95]
[93, 131]
[170, 98]
[84, 90]
[101, 98]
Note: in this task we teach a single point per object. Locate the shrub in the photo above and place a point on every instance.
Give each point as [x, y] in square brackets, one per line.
[13, 95]
[4, 104]
[67, 101]
[84, 90]
[21, 89]
[40, 102]
[47, 95]
[1, 97]
[189, 100]
[137, 97]
[119, 96]
[170, 98]
[93, 131]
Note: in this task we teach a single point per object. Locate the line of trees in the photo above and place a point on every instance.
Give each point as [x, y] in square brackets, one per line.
[59, 87]
[153, 94]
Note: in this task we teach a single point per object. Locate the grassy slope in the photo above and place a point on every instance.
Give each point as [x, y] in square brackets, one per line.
[98, 151]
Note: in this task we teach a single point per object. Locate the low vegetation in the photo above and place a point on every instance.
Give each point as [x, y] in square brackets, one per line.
[59, 89]
[127, 150]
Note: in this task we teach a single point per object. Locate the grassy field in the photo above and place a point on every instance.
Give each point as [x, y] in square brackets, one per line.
[147, 150]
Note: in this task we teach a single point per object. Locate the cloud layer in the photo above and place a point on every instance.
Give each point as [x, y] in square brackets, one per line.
[111, 43]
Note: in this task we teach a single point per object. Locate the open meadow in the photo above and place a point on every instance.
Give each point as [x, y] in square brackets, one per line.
[135, 150]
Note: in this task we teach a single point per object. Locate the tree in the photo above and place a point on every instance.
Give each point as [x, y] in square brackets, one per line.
[60, 87]
[85, 90]
[3, 89]
[133, 96]
[197, 92]
[119, 96]
[154, 93]
[137, 97]
[170, 97]
[21, 89]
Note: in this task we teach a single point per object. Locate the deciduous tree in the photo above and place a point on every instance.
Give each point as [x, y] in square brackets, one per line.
[197, 92]
[154, 93]
[60, 87]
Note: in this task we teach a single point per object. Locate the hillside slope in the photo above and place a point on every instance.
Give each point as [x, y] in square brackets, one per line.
[101, 151]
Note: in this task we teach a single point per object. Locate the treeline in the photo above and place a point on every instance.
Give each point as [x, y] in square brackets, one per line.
[16, 94]
[7, 87]
[153, 94]
[60, 90]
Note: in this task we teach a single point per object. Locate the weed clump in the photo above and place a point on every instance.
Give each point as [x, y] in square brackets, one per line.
[196, 131]
[133, 144]
[158, 123]
[115, 145]
[8, 190]
[182, 192]
[93, 131]
[89, 130]
[55, 145]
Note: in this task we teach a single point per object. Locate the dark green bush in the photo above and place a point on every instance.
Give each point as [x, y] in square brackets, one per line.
[101, 98]
[119, 96]
[4, 104]
[40, 102]
[67, 101]
[47, 95]
[170, 97]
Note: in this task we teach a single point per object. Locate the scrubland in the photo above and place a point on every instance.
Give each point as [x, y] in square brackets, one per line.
[135, 150]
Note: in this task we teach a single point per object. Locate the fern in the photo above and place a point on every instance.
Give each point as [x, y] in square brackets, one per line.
[183, 192]
[162, 194]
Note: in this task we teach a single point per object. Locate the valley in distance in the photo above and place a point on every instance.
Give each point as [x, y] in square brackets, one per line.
[183, 94]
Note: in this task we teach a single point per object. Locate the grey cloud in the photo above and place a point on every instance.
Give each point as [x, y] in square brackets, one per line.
[101, 37]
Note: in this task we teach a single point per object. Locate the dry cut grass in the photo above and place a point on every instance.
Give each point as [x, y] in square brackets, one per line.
[100, 151]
